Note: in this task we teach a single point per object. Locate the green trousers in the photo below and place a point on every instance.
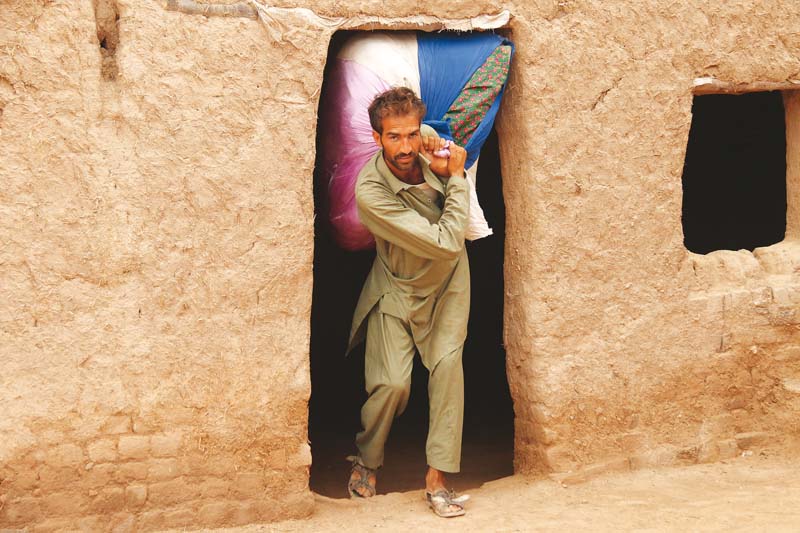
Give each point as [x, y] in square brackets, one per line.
[388, 363]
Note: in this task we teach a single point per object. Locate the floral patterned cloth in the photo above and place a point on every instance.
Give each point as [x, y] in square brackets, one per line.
[477, 96]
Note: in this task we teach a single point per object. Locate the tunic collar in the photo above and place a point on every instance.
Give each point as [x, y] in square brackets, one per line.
[397, 185]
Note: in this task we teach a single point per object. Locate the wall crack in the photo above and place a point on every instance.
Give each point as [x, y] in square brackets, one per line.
[106, 15]
[603, 94]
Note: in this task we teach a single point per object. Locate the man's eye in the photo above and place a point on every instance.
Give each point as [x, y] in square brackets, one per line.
[414, 135]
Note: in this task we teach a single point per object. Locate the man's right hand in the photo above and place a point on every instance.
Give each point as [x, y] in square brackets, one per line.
[444, 167]
[438, 165]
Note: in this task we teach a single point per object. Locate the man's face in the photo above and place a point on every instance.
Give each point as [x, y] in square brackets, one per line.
[401, 142]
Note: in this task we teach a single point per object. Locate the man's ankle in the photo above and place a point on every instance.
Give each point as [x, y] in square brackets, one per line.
[434, 479]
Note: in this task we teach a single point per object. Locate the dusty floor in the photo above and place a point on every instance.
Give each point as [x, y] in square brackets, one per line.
[759, 492]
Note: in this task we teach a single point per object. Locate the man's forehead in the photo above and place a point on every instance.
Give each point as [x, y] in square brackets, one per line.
[403, 121]
[394, 127]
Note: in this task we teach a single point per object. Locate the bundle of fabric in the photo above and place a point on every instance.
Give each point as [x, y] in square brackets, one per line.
[460, 77]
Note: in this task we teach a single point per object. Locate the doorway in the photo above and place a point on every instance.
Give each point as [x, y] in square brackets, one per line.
[338, 382]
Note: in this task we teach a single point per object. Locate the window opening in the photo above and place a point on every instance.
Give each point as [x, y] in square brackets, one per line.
[734, 175]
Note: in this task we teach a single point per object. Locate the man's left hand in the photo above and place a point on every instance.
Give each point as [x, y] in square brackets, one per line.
[456, 161]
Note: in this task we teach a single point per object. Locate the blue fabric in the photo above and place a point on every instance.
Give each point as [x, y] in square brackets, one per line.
[447, 61]
[442, 127]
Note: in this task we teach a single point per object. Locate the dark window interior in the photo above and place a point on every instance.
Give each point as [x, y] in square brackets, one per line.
[734, 176]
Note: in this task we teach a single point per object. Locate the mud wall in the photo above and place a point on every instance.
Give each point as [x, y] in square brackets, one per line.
[626, 350]
[156, 222]
[156, 267]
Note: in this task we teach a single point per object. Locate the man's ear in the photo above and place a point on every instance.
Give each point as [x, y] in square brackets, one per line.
[377, 137]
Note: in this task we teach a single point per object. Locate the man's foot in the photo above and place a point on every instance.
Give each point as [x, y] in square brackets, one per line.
[362, 480]
[443, 502]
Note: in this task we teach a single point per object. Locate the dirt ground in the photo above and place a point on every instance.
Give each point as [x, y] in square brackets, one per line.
[755, 492]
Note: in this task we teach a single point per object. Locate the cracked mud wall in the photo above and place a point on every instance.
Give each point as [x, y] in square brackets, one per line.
[624, 349]
[156, 268]
[157, 249]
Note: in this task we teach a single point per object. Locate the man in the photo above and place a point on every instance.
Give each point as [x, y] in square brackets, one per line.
[416, 296]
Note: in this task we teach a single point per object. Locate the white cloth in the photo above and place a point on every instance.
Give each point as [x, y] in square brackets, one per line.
[391, 55]
[477, 227]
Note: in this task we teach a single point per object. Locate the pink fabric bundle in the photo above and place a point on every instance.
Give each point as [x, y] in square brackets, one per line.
[347, 146]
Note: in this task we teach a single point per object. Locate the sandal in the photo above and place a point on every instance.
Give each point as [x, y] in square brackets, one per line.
[442, 499]
[363, 481]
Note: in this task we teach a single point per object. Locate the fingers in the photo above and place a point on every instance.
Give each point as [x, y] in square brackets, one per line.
[458, 157]
[432, 144]
[444, 151]
[446, 157]
[459, 153]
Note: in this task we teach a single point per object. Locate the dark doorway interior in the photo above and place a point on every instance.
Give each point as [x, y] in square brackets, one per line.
[338, 382]
[734, 176]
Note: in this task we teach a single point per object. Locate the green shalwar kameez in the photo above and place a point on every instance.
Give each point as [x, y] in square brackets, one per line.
[415, 296]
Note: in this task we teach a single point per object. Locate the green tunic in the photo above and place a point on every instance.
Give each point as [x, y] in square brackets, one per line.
[421, 271]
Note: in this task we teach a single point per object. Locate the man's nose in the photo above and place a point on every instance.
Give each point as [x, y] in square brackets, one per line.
[405, 145]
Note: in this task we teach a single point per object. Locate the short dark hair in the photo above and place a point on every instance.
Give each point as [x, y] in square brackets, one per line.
[398, 101]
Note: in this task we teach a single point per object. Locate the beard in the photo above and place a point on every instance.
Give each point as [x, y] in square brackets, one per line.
[404, 161]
